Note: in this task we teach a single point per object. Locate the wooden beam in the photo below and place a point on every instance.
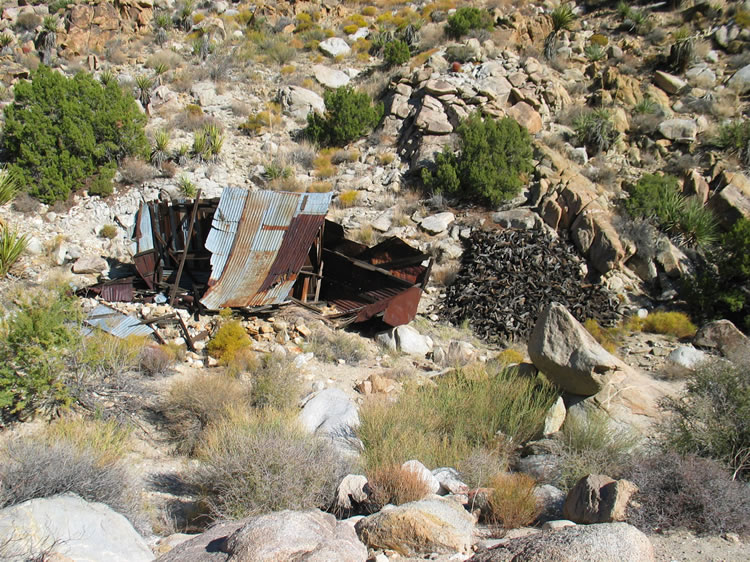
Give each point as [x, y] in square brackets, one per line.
[193, 214]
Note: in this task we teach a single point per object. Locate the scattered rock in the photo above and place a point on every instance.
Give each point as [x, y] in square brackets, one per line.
[557, 525]
[523, 219]
[555, 417]
[740, 81]
[450, 481]
[334, 47]
[607, 542]
[438, 223]
[687, 356]
[550, 500]
[330, 77]
[71, 528]
[526, 116]
[669, 82]
[90, 264]
[350, 492]
[598, 499]
[724, 336]
[299, 102]
[405, 339]
[431, 525]
[424, 474]
[564, 351]
[682, 130]
[732, 201]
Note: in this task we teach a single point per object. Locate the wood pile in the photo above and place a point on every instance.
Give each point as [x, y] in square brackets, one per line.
[508, 276]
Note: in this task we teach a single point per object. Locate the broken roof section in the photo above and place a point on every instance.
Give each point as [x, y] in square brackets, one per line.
[259, 241]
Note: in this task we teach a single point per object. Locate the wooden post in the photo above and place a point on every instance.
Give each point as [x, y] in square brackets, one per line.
[193, 214]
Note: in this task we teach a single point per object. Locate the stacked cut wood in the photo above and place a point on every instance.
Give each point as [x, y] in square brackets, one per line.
[508, 276]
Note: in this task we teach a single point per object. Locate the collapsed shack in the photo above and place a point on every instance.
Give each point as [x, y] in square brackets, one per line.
[258, 249]
[508, 276]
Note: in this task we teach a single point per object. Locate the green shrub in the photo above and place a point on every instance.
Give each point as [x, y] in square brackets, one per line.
[229, 339]
[494, 158]
[12, 245]
[592, 444]
[734, 137]
[187, 188]
[659, 198]
[259, 464]
[671, 323]
[467, 19]
[349, 115]
[687, 492]
[332, 345]
[595, 130]
[108, 231]
[34, 343]
[712, 419]
[101, 183]
[396, 53]
[721, 288]
[442, 424]
[60, 131]
[275, 383]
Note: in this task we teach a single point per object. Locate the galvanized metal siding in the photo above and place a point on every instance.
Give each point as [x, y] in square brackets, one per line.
[248, 243]
[116, 323]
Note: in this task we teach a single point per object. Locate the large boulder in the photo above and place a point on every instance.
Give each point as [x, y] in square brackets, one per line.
[334, 47]
[724, 336]
[284, 536]
[598, 499]
[682, 130]
[607, 542]
[406, 340]
[330, 77]
[69, 528]
[526, 116]
[424, 474]
[568, 355]
[331, 413]
[431, 525]
[731, 201]
[595, 237]
[740, 82]
[435, 224]
[295, 536]
[299, 102]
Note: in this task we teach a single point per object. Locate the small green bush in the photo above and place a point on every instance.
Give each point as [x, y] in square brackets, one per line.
[60, 131]
[595, 130]
[349, 115]
[712, 419]
[734, 137]
[12, 245]
[467, 19]
[442, 424]
[659, 198]
[671, 323]
[34, 344]
[494, 158]
[396, 53]
[229, 339]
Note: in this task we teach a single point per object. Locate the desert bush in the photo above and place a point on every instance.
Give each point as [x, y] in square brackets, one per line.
[512, 500]
[608, 337]
[659, 198]
[254, 464]
[481, 465]
[323, 165]
[466, 19]
[395, 485]
[157, 359]
[107, 440]
[28, 21]
[348, 198]
[108, 231]
[721, 286]
[494, 158]
[229, 339]
[591, 444]
[37, 469]
[672, 323]
[102, 354]
[12, 245]
[332, 345]
[275, 383]
[349, 115]
[687, 492]
[191, 118]
[136, 171]
[35, 342]
[396, 53]
[443, 423]
[712, 419]
[192, 404]
[59, 131]
[595, 130]
[734, 137]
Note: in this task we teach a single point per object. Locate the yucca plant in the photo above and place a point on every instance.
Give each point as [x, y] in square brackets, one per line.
[595, 130]
[9, 183]
[12, 245]
[160, 70]
[682, 51]
[562, 20]
[187, 188]
[5, 40]
[106, 76]
[159, 153]
[697, 225]
[185, 15]
[594, 53]
[144, 85]
[183, 154]
[645, 107]
[48, 38]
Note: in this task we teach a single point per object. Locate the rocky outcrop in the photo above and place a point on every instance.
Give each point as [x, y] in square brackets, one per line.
[405, 339]
[284, 536]
[330, 413]
[68, 527]
[724, 336]
[431, 525]
[568, 355]
[607, 542]
[598, 499]
[299, 102]
[731, 200]
[93, 27]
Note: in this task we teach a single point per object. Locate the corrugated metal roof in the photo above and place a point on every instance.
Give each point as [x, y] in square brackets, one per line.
[257, 243]
[116, 323]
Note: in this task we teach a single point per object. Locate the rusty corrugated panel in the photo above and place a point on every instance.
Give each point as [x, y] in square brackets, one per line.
[251, 240]
[116, 323]
[145, 265]
[144, 236]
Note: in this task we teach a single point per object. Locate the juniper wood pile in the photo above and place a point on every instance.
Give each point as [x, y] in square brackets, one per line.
[508, 276]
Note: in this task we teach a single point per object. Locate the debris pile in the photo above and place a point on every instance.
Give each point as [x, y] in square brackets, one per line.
[508, 276]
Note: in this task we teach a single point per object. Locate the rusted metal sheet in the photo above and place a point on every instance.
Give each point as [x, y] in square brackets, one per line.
[116, 323]
[145, 265]
[256, 241]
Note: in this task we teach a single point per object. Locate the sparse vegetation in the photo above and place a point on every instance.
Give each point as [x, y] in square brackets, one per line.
[330, 346]
[229, 339]
[467, 19]
[108, 231]
[671, 323]
[12, 246]
[512, 500]
[595, 130]
[494, 158]
[395, 485]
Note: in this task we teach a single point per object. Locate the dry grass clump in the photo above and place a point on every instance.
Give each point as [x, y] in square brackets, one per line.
[512, 500]
[135, 171]
[395, 484]
[101, 354]
[108, 231]
[191, 118]
[190, 405]
[157, 359]
[323, 166]
[320, 187]
[482, 406]
[676, 324]
[332, 345]
[608, 338]
[481, 465]
[348, 198]
[260, 463]
[275, 383]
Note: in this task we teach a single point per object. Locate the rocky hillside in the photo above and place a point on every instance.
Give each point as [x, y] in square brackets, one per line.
[577, 175]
